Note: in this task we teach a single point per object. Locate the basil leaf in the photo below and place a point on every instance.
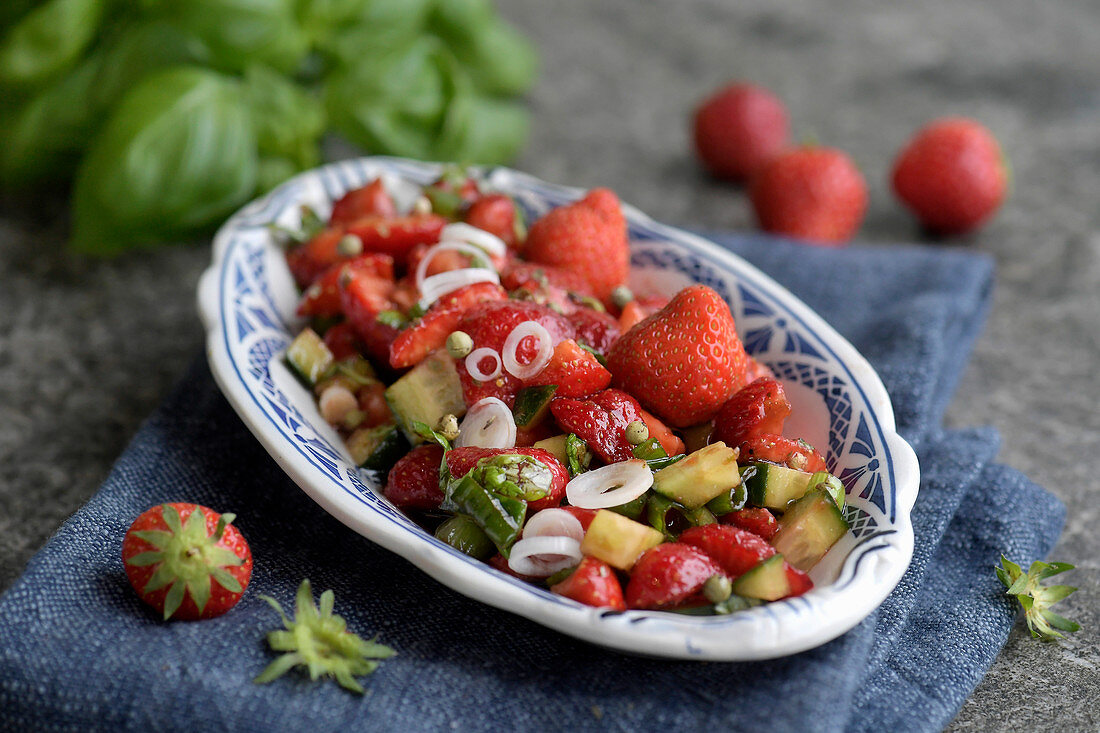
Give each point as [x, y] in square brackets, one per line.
[178, 153]
[288, 121]
[48, 41]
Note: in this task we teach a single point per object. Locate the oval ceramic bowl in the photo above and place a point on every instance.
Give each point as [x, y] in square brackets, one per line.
[247, 300]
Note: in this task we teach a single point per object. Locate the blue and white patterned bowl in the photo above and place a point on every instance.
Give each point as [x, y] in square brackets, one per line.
[247, 301]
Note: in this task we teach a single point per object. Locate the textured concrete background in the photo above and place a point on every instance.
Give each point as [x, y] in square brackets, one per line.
[88, 348]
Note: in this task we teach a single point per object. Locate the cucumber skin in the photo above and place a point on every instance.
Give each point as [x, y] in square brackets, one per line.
[766, 581]
[533, 404]
[770, 479]
[810, 527]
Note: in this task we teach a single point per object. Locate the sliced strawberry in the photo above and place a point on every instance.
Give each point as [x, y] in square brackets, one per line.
[543, 429]
[370, 200]
[322, 298]
[755, 370]
[397, 236]
[372, 401]
[799, 581]
[593, 583]
[342, 341]
[405, 295]
[584, 516]
[310, 260]
[755, 519]
[496, 213]
[413, 481]
[517, 274]
[461, 461]
[576, 372]
[787, 451]
[600, 421]
[363, 297]
[669, 441]
[633, 314]
[736, 550]
[667, 575]
[596, 329]
[755, 409]
[430, 332]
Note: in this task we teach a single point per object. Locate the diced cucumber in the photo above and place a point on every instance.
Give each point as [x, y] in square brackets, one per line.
[618, 541]
[830, 483]
[700, 477]
[555, 445]
[533, 405]
[766, 581]
[377, 448]
[309, 358]
[425, 394]
[808, 528]
[775, 486]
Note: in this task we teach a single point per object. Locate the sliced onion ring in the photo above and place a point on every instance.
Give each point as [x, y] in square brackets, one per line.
[488, 424]
[462, 232]
[541, 557]
[542, 357]
[473, 363]
[553, 523]
[467, 249]
[436, 286]
[610, 486]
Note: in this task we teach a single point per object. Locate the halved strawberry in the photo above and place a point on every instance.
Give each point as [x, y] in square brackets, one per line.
[342, 341]
[322, 297]
[593, 583]
[576, 372]
[310, 260]
[595, 329]
[518, 273]
[755, 519]
[799, 581]
[584, 516]
[756, 409]
[461, 461]
[430, 332]
[777, 449]
[669, 441]
[363, 297]
[736, 550]
[369, 200]
[413, 481]
[396, 236]
[633, 314]
[667, 575]
[496, 213]
[600, 421]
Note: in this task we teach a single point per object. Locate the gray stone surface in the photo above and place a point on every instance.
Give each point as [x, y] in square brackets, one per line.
[88, 348]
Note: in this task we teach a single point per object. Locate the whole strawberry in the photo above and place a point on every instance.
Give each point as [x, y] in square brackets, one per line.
[683, 362]
[952, 175]
[588, 238]
[187, 561]
[811, 193]
[738, 129]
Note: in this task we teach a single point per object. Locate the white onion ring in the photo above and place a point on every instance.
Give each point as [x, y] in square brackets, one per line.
[468, 249]
[541, 557]
[610, 486]
[473, 363]
[554, 523]
[488, 424]
[436, 286]
[461, 232]
[515, 338]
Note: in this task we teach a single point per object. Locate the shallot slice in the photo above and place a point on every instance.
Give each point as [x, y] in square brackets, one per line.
[462, 232]
[610, 486]
[541, 557]
[554, 523]
[467, 249]
[473, 364]
[488, 424]
[542, 356]
[435, 287]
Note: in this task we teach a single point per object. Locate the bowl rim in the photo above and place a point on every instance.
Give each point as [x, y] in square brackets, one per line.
[763, 632]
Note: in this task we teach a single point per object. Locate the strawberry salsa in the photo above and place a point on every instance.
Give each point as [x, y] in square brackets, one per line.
[532, 412]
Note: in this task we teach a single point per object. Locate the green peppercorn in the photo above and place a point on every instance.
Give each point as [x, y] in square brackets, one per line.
[621, 295]
[637, 433]
[459, 344]
[349, 245]
[717, 588]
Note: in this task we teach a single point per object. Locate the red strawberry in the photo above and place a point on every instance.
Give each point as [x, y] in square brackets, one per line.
[593, 583]
[518, 274]
[442, 262]
[757, 408]
[587, 237]
[584, 516]
[952, 175]
[489, 324]
[372, 401]
[322, 298]
[397, 236]
[186, 560]
[496, 214]
[461, 461]
[342, 341]
[777, 449]
[811, 193]
[669, 441]
[684, 361]
[310, 260]
[738, 129]
[667, 575]
[430, 332]
[736, 550]
[757, 520]
[363, 297]
[600, 421]
[501, 563]
[633, 314]
[413, 482]
[576, 372]
[798, 580]
[596, 329]
[370, 200]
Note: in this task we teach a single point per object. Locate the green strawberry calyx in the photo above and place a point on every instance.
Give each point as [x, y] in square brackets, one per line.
[319, 640]
[187, 558]
[1035, 598]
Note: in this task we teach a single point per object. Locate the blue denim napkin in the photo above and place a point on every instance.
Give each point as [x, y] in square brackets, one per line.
[78, 650]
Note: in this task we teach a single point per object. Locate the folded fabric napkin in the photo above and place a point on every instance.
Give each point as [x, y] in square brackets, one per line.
[79, 651]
